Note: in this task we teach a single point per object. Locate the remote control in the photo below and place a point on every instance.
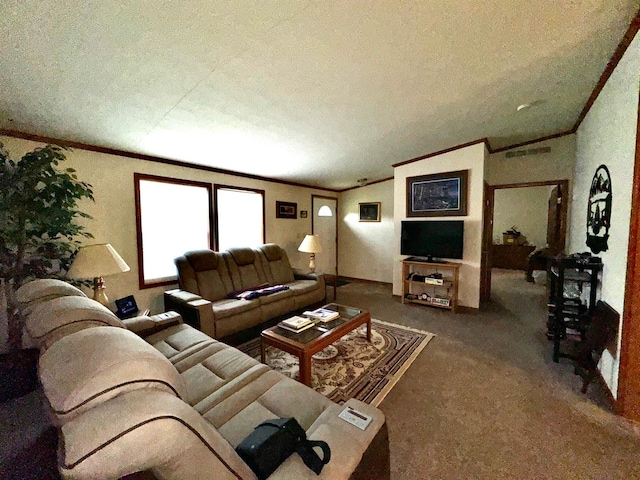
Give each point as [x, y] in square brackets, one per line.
[354, 417]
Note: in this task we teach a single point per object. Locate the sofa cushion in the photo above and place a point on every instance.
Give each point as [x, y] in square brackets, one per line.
[245, 268]
[49, 321]
[91, 366]
[299, 287]
[44, 289]
[204, 272]
[179, 341]
[277, 264]
[232, 306]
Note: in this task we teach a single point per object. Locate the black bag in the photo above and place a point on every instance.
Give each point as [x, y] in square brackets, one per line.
[273, 441]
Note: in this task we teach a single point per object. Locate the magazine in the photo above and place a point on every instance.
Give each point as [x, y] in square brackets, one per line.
[296, 323]
[322, 314]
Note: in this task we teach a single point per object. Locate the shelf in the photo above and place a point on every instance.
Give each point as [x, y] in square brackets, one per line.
[448, 290]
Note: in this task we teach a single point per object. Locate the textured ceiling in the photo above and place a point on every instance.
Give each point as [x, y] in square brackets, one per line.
[322, 93]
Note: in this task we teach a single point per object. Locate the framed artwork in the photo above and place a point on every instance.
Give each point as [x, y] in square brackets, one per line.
[303, 214]
[286, 210]
[599, 211]
[438, 195]
[370, 212]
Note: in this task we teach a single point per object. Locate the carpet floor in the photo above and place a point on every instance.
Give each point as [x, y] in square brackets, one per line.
[486, 401]
[353, 367]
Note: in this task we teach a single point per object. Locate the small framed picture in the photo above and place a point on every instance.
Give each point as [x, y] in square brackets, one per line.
[303, 214]
[370, 212]
[286, 210]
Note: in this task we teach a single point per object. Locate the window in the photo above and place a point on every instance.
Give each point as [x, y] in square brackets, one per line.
[172, 217]
[239, 217]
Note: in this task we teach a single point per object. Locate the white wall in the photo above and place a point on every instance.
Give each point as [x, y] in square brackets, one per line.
[114, 218]
[366, 249]
[525, 208]
[555, 165]
[608, 136]
[472, 158]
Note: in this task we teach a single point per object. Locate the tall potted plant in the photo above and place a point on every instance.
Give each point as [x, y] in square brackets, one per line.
[38, 230]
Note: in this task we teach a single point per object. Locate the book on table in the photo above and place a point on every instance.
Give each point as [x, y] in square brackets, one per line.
[322, 314]
[296, 324]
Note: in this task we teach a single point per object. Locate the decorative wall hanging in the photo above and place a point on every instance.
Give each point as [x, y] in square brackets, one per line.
[370, 212]
[599, 211]
[303, 214]
[439, 195]
[286, 210]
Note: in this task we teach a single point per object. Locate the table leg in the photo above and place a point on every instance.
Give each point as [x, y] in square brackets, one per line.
[369, 330]
[305, 369]
[262, 351]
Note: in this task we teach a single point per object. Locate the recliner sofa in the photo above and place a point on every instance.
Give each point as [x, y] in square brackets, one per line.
[175, 403]
[211, 281]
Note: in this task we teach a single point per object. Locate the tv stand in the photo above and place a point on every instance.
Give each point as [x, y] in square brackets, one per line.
[435, 284]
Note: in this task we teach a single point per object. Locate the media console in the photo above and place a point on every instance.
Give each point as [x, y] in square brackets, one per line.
[430, 283]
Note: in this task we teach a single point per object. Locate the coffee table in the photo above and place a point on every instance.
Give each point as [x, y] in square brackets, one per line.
[309, 342]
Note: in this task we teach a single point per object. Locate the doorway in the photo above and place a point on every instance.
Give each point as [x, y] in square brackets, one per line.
[324, 223]
[555, 212]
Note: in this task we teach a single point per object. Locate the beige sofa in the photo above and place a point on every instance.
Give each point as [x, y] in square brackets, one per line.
[175, 403]
[210, 282]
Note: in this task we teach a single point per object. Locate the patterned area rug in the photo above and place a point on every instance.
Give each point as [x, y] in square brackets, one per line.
[352, 367]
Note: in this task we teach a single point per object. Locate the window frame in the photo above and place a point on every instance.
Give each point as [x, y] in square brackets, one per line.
[219, 186]
[137, 178]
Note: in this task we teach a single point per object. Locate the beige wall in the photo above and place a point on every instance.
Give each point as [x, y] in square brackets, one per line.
[555, 165]
[525, 208]
[608, 136]
[472, 158]
[114, 218]
[366, 249]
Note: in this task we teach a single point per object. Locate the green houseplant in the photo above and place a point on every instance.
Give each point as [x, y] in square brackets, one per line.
[38, 231]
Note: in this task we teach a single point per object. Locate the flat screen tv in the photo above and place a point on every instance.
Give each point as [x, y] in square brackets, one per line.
[432, 239]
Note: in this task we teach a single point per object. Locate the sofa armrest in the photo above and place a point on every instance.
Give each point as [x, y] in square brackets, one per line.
[194, 310]
[304, 275]
[145, 325]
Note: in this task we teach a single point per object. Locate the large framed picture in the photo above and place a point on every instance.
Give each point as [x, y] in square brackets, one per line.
[370, 212]
[438, 195]
[286, 210]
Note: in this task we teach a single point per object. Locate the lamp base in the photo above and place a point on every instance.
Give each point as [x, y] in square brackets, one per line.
[99, 294]
[312, 263]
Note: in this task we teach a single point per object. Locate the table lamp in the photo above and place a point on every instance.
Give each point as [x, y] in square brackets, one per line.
[311, 244]
[97, 261]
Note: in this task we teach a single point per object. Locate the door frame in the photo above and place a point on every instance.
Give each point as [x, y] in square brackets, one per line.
[628, 395]
[313, 209]
[487, 237]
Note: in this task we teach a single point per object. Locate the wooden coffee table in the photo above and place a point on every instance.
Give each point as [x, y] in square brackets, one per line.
[309, 342]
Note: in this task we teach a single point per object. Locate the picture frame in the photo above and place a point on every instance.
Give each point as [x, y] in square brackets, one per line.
[369, 212]
[437, 195]
[286, 210]
[303, 214]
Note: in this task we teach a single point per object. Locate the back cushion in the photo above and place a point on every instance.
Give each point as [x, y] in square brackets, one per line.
[277, 263]
[246, 269]
[49, 321]
[43, 289]
[91, 366]
[206, 274]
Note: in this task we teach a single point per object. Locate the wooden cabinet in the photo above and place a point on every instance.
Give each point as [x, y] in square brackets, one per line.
[513, 257]
[432, 284]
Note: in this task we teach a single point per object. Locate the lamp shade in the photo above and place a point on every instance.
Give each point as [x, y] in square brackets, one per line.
[310, 244]
[97, 260]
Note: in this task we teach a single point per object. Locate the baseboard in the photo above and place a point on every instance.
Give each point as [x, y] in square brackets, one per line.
[364, 280]
[609, 393]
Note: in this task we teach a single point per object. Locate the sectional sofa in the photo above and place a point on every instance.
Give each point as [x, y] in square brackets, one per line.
[212, 285]
[153, 397]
